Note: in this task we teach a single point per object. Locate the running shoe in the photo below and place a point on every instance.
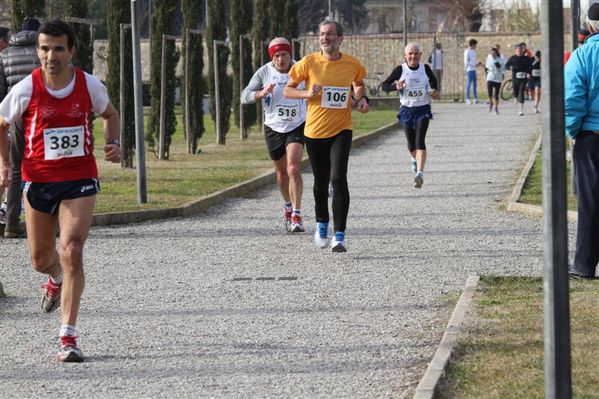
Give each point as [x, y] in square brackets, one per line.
[69, 352]
[496, 111]
[51, 297]
[414, 166]
[296, 224]
[475, 101]
[3, 213]
[418, 180]
[321, 235]
[287, 216]
[467, 101]
[338, 242]
[520, 113]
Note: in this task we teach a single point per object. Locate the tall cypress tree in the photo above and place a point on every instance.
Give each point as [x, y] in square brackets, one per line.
[241, 24]
[119, 12]
[290, 26]
[216, 30]
[84, 56]
[163, 16]
[276, 18]
[260, 35]
[192, 19]
[22, 9]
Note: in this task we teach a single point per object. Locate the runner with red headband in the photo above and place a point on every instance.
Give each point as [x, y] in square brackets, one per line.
[284, 121]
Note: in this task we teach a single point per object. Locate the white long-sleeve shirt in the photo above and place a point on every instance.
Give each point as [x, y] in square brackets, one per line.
[470, 62]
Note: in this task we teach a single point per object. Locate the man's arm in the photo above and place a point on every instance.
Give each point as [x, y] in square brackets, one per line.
[255, 89]
[291, 90]
[112, 132]
[360, 92]
[5, 169]
[575, 96]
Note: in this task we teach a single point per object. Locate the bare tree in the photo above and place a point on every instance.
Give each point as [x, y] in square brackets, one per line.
[462, 15]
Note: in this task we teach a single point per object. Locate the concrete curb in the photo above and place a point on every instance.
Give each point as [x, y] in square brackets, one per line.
[528, 209]
[428, 384]
[203, 203]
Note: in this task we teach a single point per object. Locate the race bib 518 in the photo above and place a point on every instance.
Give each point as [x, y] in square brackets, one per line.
[287, 112]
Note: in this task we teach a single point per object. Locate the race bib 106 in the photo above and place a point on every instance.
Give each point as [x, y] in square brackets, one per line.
[287, 113]
[334, 97]
[63, 142]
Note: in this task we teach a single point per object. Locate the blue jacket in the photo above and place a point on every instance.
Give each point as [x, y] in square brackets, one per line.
[581, 86]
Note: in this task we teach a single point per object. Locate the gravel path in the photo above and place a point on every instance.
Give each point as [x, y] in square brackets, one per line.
[226, 305]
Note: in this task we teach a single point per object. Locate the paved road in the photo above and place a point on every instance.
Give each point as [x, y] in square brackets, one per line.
[226, 305]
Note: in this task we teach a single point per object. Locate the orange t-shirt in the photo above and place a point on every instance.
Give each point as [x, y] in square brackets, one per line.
[330, 111]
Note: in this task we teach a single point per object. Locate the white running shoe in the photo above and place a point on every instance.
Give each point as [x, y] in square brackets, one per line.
[321, 237]
[418, 180]
[520, 113]
[338, 242]
[296, 224]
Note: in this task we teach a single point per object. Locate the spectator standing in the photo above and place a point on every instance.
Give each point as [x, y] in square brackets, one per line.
[16, 62]
[581, 79]
[470, 64]
[582, 35]
[4, 37]
[436, 61]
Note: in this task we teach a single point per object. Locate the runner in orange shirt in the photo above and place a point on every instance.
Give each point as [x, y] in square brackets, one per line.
[329, 77]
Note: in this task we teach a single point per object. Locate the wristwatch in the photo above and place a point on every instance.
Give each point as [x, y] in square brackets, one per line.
[116, 142]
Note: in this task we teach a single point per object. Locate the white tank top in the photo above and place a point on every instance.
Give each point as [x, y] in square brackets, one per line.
[415, 93]
[282, 114]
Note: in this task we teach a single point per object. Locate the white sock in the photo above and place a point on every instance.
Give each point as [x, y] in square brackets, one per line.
[67, 330]
[57, 280]
[297, 212]
[421, 173]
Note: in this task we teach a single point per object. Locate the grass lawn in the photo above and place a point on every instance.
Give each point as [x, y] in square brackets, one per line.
[532, 192]
[500, 354]
[185, 177]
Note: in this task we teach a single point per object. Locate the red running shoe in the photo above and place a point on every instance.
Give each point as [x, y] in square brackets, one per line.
[51, 297]
[69, 352]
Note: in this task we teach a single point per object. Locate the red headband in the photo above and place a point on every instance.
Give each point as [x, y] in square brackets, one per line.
[278, 47]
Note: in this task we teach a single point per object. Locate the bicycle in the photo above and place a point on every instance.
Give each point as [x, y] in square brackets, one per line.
[376, 88]
[507, 90]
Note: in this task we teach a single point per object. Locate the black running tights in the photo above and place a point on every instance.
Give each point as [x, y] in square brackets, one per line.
[416, 136]
[329, 158]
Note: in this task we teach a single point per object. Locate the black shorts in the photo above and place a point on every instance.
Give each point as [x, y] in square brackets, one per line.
[277, 142]
[46, 197]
